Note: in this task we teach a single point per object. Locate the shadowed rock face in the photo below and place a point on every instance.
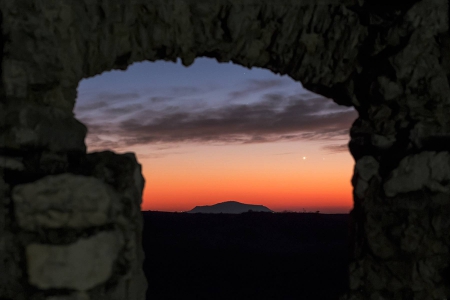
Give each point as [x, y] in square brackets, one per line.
[61, 266]
[229, 207]
[390, 60]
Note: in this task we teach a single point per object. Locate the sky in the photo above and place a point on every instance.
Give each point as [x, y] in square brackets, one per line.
[215, 132]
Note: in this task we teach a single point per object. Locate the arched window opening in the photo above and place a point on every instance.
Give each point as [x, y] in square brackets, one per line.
[214, 133]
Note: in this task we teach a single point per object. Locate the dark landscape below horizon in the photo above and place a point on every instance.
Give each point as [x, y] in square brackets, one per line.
[252, 255]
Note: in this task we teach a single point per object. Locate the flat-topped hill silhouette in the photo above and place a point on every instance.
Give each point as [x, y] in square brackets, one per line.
[229, 207]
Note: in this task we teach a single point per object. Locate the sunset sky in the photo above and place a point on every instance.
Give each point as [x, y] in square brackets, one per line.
[214, 132]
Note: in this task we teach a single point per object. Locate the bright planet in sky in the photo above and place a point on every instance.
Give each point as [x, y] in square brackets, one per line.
[214, 132]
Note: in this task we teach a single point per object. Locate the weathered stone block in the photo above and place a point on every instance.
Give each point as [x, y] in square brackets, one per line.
[73, 296]
[366, 167]
[79, 266]
[11, 163]
[427, 169]
[64, 200]
[31, 126]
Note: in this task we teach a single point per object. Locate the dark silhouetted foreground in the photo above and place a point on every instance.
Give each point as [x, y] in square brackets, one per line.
[245, 256]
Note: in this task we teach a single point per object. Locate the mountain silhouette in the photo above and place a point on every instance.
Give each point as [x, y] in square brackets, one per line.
[229, 207]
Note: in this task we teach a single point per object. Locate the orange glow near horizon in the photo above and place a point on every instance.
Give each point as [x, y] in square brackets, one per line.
[252, 174]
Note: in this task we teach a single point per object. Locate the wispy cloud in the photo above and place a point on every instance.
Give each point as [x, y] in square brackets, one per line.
[115, 97]
[276, 117]
[253, 86]
[161, 99]
[285, 153]
[91, 106]
[336, 148]
[120, 111]
[154, 154]
[184, 90]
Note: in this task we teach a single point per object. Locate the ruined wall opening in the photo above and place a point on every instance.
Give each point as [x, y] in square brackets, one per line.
[215, 132]
[390, 61]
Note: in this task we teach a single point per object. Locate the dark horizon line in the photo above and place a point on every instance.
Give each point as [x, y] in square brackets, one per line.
[273, 212]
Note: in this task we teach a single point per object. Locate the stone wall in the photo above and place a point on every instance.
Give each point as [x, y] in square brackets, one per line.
[75, 233]
[70, 222]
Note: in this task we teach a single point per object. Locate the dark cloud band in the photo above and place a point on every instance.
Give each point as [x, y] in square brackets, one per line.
[276, 117]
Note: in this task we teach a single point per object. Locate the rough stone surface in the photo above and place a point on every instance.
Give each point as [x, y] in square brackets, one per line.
[388, 59]
[11, 273]
[64, 200]
[11, 163]
[29, 126]
[73, 296]
[365, 168]
[426, 169]
[79, 266]
[123, 173]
